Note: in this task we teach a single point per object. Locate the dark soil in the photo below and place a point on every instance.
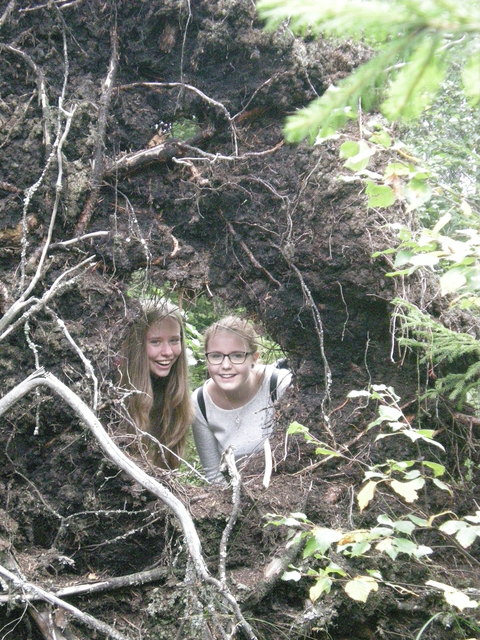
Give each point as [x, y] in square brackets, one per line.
[223, 208]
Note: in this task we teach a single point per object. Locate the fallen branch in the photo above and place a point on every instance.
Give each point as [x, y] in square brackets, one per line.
[132, 579]
[85, 618]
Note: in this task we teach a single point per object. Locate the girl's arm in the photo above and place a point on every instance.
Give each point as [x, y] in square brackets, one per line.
[207, 445]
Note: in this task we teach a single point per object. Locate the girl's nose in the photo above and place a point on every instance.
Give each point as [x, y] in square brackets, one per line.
[166, 349]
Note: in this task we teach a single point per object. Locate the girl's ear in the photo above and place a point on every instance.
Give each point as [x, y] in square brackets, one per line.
[255, 356]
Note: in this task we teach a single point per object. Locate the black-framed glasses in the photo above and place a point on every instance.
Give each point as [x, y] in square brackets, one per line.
[236, 357]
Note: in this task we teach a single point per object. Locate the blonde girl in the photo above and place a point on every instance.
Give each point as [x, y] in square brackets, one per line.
[234, 408]
[154, 368]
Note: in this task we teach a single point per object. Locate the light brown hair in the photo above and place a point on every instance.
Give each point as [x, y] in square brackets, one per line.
[160, 407]
[239, 326]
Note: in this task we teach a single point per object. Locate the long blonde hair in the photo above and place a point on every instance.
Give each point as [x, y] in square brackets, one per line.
[160, 407]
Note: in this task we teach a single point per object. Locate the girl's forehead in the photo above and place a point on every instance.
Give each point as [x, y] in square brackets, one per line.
[166, 325]
[223, 338]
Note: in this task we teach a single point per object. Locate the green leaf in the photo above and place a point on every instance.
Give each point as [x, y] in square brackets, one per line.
[379, 195]
[296, 427]
[360, 159]
[404, 526]
[321, 540]
[382, 138]
[365, 495]
[420, 522]
[360, 587]
[405, 546]
[408, 490]
[292, 575]
[438, 469]
[349, 149]
[321, 586]
[471, 79]
[452, 280]
[320, 451]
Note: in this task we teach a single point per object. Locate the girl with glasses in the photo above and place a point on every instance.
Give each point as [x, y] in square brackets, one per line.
[154, 370]
[234, 408]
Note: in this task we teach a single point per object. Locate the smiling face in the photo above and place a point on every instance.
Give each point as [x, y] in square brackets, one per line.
[163, 344]
[235, 380]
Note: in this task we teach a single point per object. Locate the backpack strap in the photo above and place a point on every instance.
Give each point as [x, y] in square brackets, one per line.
[273, 385]
[201, 403]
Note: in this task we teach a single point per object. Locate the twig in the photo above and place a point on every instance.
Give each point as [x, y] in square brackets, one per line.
[41, 88]
[8, 322]
[249, 253]
[229, 463]
[99, 155]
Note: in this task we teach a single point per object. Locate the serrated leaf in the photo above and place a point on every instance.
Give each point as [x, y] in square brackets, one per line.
[379, 195]
[365, 495]
[408, 490]
[360, 587]
[321, 586]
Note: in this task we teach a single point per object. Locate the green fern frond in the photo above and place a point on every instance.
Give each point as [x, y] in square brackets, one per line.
[414, 87]
[437, 344]
[329, 112]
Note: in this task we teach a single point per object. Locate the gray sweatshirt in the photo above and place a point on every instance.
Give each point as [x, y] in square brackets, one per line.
[244, 429]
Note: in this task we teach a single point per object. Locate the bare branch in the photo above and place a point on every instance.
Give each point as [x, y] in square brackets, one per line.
[8, 322]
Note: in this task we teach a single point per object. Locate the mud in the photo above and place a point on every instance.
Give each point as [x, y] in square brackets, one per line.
[223, 208]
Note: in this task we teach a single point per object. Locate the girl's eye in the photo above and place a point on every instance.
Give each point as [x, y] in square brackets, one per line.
[174, 340]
